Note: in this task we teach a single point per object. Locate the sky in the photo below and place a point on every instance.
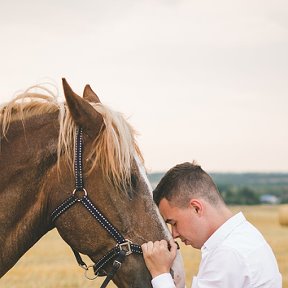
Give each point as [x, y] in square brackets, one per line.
[200, 80]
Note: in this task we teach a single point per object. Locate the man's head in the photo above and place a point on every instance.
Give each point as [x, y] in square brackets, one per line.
[186, 181]
[190, 202]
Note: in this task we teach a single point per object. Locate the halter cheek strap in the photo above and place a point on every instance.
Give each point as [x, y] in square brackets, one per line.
[123, 248]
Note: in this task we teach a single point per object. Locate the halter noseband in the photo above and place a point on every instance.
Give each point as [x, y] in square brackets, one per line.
[123, 248]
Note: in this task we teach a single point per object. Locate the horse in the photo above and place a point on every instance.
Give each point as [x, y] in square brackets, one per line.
[47, 146]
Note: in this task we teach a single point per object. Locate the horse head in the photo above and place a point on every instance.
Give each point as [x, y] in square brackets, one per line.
[115, 182]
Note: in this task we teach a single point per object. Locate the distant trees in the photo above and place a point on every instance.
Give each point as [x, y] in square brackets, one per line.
[239, 196]
[245, 188]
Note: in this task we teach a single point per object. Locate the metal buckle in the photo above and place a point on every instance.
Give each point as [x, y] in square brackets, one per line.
[117, 264]
[87, 273]
[126, 247]
[79, 197]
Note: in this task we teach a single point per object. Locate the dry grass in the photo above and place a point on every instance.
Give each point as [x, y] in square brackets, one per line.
[50, 263]
[283, 215]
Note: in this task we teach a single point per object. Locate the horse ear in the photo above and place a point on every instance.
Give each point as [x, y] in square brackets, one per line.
[83, 114]
[90, 95]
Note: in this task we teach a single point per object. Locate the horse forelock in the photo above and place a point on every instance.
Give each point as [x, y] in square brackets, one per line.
[113, 150]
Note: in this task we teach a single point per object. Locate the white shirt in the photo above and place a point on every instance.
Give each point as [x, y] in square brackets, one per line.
[235, 256]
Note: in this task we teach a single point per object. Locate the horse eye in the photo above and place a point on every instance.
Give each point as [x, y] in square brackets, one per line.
[134, 180]
[131, 188]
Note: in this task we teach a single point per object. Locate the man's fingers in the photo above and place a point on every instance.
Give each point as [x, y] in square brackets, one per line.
[151, 247]
[146, 247]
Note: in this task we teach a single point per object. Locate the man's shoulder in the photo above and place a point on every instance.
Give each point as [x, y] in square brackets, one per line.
[245, 239]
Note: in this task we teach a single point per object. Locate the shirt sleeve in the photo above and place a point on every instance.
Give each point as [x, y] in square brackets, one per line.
[163, 280]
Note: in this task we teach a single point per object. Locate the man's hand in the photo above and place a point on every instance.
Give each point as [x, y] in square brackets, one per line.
[158, 257]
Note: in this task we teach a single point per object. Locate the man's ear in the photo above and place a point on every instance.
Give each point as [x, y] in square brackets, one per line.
[196, 205]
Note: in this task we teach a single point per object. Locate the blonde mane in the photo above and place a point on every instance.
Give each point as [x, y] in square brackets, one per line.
[113, 150]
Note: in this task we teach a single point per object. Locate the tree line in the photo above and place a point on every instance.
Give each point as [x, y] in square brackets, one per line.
[244, 188]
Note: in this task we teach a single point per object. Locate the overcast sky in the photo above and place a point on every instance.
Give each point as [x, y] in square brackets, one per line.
[200, 80]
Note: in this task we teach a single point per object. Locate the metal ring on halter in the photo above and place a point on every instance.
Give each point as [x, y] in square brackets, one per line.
[90, 277]
[83, 190]
[125, 246]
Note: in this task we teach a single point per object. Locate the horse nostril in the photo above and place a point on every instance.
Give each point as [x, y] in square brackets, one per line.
[178, 247]
[172, 273]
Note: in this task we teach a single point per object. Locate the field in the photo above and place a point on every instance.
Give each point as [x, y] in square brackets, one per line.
[51, 264]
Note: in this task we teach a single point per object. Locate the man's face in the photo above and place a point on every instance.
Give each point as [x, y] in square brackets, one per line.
[185, 222]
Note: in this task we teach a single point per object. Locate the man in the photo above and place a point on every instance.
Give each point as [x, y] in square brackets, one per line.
[234, 252]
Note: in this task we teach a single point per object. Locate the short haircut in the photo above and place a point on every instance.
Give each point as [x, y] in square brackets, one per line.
[184, 182]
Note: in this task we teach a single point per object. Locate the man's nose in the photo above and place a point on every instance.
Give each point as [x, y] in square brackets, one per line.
[175, 233]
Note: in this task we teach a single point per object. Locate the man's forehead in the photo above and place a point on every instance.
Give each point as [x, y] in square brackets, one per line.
[165, 209]
[164, 204]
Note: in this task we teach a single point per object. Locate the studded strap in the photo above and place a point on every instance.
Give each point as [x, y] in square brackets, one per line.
[96, 213]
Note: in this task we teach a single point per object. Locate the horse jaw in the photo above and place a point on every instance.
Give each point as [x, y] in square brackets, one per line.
[178, 270]
[178, 266]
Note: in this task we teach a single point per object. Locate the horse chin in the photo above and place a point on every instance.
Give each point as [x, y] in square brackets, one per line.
[136, 277]
[136, 283]
[139, 276]
[178, 271]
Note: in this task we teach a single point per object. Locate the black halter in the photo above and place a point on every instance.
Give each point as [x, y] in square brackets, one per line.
[124, 247]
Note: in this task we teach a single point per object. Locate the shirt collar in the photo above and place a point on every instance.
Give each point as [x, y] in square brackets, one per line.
[223, 231]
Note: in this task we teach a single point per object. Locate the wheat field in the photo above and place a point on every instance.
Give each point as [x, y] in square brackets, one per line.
[51, 264]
